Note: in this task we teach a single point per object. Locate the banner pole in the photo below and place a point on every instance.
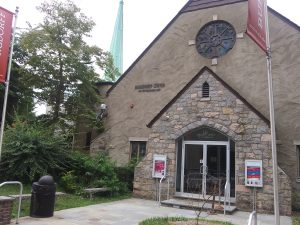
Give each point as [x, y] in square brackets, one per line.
[7, 82]
[272, 121]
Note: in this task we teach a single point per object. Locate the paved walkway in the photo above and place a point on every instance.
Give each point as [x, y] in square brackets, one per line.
[131, 212]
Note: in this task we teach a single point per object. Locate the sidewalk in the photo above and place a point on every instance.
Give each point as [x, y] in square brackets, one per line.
[131, 212]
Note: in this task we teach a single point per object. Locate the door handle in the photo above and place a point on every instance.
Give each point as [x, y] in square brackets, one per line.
[201, 169]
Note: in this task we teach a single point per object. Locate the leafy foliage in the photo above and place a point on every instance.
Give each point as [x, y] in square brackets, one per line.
[111, 72]
[296, 201]
[168, 220]
[87, 171]
[126, 173]
[62, 64]
[20, 95]
[31, 151]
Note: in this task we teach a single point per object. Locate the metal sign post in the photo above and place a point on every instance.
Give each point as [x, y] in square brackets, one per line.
[272, 121]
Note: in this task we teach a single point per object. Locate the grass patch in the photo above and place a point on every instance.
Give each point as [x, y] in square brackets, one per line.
[61, 202]
[10, 189]
[161, 220]
[296, 220]
[168, 220]
[69, 201]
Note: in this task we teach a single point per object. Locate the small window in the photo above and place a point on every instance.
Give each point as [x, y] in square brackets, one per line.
[205, 90]
[138, 149]
[88, 140]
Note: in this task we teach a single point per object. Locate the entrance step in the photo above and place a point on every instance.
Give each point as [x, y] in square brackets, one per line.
[196, 205]
[201, 198]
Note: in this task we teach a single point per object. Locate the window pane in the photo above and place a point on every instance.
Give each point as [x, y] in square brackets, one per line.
[134, 149]
[142, 149]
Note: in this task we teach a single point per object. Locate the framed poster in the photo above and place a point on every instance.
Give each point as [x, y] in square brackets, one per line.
[159, 166]
[253, 173]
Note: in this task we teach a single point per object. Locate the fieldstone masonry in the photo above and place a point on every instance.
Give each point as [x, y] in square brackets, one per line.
[228, 113]
[6, 205]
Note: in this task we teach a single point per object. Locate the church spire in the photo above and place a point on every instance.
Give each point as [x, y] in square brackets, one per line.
[116, 46]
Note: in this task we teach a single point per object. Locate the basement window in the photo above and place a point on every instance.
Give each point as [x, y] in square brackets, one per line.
[205, 90]
[137, 150]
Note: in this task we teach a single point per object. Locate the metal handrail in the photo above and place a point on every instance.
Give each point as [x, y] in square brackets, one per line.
[226, 196]
[20, 196]
[252, 218]
[159, 188]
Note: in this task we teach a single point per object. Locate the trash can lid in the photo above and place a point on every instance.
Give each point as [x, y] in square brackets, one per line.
[46, 180]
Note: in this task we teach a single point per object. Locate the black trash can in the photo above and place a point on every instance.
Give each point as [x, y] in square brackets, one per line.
[43, 197]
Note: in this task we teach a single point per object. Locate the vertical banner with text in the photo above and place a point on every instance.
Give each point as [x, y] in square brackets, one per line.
[256, 25]
[6, 18]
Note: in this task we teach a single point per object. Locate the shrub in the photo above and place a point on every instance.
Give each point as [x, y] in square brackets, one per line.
[126, 173]
[96, 171]
[296, 201]
[69, 182]
[31, 151]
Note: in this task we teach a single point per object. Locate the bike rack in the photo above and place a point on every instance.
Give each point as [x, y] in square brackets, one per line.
[159, 188]
[20, 196]
[226, 196]
[252, 218]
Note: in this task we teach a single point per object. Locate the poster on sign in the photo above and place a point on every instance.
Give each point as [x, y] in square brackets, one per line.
[253, 173]
[159, 166]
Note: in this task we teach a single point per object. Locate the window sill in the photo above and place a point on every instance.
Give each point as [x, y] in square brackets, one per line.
[205, 99]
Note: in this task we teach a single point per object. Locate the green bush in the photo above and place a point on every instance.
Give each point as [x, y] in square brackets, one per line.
[296, 201]
[97, 171]
[31, 151]
[126, 173]
[69, 183]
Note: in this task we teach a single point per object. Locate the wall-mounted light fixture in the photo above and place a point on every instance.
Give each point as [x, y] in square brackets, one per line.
[103, 112]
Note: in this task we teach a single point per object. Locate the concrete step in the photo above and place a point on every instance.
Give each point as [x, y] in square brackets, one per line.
[201, 198]
[195, 204]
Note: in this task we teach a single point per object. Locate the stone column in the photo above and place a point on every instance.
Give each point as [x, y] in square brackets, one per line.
[6, 205]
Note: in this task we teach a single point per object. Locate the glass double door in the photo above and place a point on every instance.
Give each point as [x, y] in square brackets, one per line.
[205, 167]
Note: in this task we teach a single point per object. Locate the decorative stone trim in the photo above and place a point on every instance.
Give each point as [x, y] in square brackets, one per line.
[226, 113]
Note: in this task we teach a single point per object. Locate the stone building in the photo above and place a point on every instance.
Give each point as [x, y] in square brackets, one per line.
[205, 107]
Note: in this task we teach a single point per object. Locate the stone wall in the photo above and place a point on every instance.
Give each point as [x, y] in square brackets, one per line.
[228, 113]
[6, 205]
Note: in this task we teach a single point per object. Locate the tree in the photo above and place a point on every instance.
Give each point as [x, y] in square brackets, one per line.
[63, 64]
[20, 95]
[111, 72]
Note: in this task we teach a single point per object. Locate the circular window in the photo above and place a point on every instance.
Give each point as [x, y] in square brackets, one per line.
[215, 39]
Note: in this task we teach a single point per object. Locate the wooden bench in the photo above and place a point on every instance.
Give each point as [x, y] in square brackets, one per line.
[92, 191]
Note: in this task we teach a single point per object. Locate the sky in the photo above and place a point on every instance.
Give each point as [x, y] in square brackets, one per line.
[143, 19]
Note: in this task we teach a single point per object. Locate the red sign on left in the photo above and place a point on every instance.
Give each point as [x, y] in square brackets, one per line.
[6, 18]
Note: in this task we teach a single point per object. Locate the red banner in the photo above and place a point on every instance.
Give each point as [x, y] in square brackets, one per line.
[256, 26]
[6, 18]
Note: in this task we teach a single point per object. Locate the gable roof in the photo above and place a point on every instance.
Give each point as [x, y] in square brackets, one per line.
[260, 115]
[193, 5]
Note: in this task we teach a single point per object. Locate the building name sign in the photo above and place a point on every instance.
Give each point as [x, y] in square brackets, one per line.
[149, 87]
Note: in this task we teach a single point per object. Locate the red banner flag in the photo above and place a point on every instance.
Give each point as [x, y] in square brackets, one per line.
[256, 26]
[6, 18]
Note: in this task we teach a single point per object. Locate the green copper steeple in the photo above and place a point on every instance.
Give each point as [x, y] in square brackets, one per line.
[116, 45]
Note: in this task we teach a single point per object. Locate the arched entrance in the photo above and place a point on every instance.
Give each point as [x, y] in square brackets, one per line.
[205, 162]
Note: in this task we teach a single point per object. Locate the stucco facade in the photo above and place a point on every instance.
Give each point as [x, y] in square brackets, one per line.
[170, 63]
